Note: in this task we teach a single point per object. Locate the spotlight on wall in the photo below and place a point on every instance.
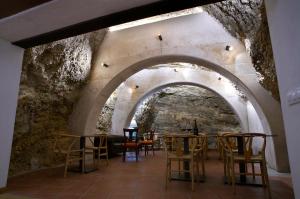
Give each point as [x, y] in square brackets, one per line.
[229, 48]
[136, 86]
[160, 37]
[104, 64]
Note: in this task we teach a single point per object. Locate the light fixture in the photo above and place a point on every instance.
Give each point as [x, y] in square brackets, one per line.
[104, 64]
[160, 37]
[229, 48]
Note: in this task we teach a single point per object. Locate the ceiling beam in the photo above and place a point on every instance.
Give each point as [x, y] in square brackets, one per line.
[12, 7]
[149, 10]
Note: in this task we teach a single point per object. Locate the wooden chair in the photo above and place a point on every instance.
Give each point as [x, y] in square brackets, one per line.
[97, 147]
[224, 151]
[174, 148]
[148, 142]
[246, 155]
[68, 145]
[131, 142]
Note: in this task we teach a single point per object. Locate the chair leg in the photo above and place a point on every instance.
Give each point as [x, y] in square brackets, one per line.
[106, 157]
[197, 167]
[263, 179]
[167, 174]
[232, 175]
[203, 165]
[253, 170]
[266, 177]
[124, 154]
[192, 173]
[66, 166]
[153, 149]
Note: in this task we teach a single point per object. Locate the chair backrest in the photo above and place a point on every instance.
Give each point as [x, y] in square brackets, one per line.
[198, 143]
[175, 143]
[131, 135]
[248, 143]
[100, 140]
[254, 143]
[228, 140]
[103, 140]
[149, 135]
[66, 142]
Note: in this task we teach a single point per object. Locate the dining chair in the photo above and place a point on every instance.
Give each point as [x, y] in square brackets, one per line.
[246, 154]
[69, 146]
[131, 142]
[97, 146]
[148, 142]
[224, 152]
[174, 150]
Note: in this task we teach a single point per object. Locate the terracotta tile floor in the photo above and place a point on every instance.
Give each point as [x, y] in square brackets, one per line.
[141, 180]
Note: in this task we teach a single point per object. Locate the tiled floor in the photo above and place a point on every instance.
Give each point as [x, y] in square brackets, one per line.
[141, 180]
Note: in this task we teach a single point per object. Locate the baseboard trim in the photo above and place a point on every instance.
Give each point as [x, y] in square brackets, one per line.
[3, 189]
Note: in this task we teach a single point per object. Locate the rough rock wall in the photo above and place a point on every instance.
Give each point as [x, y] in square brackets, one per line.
[105, 117]
[52, 77]
[247, 21]
[175, 108]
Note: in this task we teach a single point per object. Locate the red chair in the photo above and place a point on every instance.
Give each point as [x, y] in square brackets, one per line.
[148, 142]
[131, 142]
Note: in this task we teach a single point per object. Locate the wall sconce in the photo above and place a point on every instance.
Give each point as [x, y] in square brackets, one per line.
[229, 48]
[104, 64]
[160, 37]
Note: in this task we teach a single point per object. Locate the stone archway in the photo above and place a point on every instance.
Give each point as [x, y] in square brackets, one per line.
[152, 80]
[131, 50]
[260, 96]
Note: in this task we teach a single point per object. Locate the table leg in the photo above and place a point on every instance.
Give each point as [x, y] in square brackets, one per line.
[186, 164]
[241, 164]
[82, 145]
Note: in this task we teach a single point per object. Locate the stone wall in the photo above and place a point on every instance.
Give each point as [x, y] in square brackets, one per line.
[247, 21]
[52, 77]
[105, 118]
[176, 107]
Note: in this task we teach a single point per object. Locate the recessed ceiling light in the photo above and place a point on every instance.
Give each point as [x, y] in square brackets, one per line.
[157, 18]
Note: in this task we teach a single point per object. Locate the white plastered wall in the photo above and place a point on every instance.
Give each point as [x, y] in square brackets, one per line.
[10, 65]
[197, 39]
[283, 19]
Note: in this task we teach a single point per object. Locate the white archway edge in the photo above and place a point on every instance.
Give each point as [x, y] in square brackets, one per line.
[191, 39]
[152, 80]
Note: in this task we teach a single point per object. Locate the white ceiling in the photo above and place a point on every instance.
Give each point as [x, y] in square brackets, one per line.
[58, 14]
